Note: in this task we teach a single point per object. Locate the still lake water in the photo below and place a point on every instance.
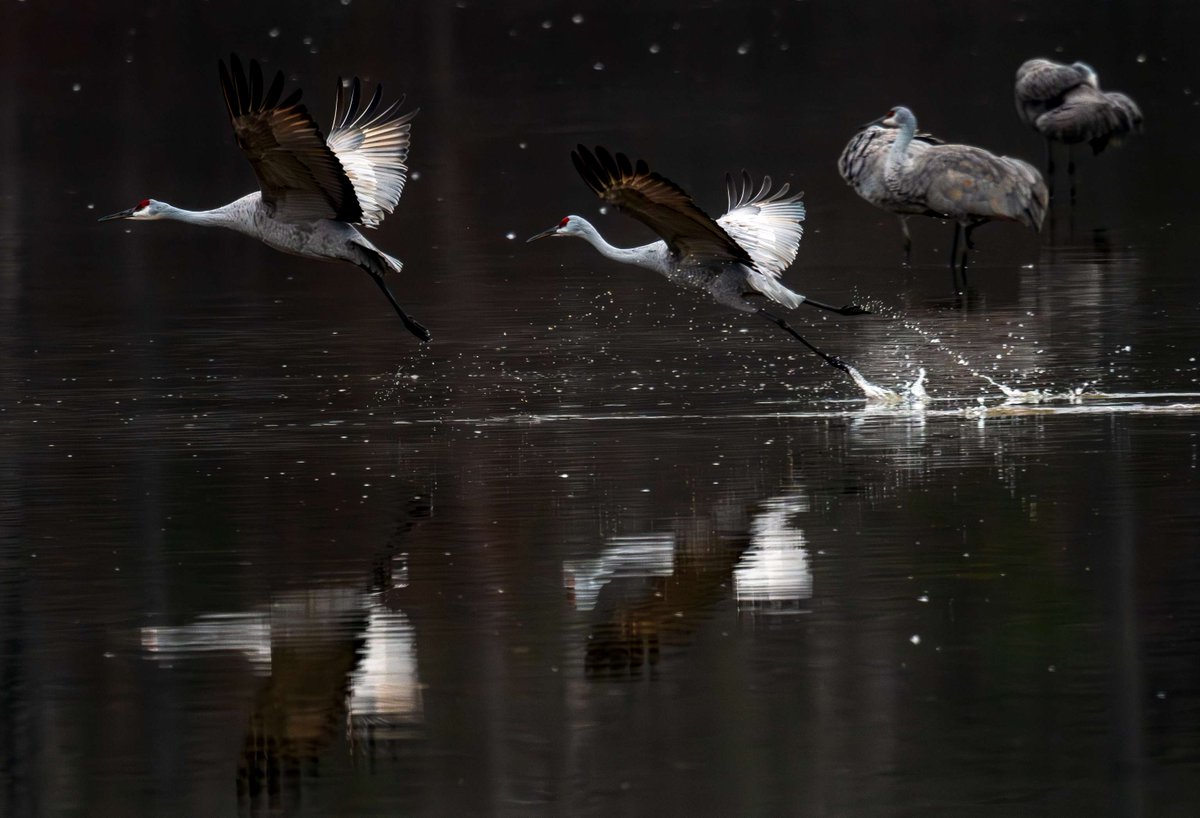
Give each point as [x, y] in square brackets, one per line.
[601, 547]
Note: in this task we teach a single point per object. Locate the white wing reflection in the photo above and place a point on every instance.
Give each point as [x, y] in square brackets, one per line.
[246, 633]
[326, 627]
[385, 693]
[773, 574]
[639, 555]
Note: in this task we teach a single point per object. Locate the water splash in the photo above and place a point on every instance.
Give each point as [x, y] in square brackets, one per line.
[1012, 395]
[912, 394]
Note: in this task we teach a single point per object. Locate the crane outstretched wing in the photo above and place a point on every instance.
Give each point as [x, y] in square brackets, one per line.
[299, 174]
[768, 225]
[659, 204]
[372, 147]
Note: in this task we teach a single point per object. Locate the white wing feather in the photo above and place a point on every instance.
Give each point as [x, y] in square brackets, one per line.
[373, 149]
[768, 225]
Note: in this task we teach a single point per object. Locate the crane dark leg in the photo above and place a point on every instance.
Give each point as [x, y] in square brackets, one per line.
[907, 240]
[832, 360]
[1071, 172]
[412, 326]
[954, 257]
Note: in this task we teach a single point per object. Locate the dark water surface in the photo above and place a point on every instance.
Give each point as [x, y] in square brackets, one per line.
[601, 548]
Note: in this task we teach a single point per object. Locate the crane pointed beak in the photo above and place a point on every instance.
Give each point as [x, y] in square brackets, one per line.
[553, 231]
[874, 122]
[124, 214]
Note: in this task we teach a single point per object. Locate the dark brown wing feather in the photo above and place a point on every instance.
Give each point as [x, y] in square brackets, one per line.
[658, 203]
[300, 177]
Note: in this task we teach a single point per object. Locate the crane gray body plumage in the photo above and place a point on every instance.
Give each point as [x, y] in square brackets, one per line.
[312, 189]
[861, 165]
[960, 182]
[1064, 103]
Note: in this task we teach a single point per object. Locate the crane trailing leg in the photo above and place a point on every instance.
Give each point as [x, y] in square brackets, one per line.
[376, 263]
[832, 360]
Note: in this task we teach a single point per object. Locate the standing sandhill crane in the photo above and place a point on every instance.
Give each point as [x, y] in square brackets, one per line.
[960, 182]
[737, 258]
[1064, 103]
[313, 189]
[861, 165]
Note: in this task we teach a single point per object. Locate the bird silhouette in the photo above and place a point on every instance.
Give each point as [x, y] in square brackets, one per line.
[737, 259]
[313, 190]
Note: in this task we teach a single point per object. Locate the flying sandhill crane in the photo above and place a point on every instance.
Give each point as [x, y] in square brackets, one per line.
[313, 189]
[960, 182]
[1064, 103]
[861, 165]
[737, 258]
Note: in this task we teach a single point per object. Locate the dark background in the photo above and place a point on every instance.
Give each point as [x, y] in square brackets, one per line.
[197, 430]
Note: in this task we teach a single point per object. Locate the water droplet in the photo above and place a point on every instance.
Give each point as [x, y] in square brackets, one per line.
[915, 639]
[655, 48]
[77, 87]
[510, 235]
[547, 24]
[744, 48]
[599, 66]
[1141, 57]
[577, 19]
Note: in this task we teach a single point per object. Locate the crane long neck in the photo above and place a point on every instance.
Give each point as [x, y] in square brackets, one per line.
[643, 256]
[240, 214]
[898, 155]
